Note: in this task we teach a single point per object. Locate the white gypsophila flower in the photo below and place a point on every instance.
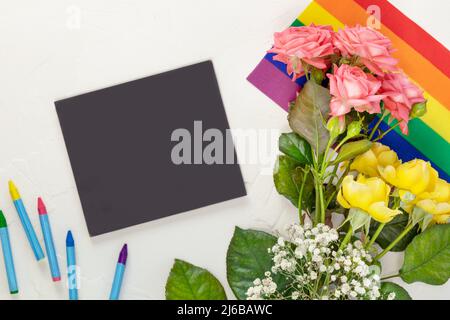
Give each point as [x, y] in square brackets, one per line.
[311, 256]
[358, 244]
[345, 288]
[391, 296]
[360, 290]
[300, 252]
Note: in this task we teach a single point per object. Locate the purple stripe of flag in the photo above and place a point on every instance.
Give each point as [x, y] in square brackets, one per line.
[274, 84]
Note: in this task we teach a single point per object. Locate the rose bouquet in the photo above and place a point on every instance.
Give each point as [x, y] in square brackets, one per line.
[332, 165]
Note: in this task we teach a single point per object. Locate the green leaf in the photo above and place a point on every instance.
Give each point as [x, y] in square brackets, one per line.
[288, 178]
[352, 149]
[188, 282]
[400, 293]
[421, 217]
[427, 258]
[248, 259]
[295, 147]
[358, 218]
[308, 115]
[392, 230]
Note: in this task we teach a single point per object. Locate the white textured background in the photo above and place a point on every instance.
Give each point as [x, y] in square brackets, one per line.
[45, 55]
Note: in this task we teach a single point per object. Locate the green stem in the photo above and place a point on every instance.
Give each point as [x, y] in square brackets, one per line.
[391, 276]
[318, 204]
[393, 243]
[322, 203]
[326, 282]
[335, 169]
[320, 200]
[346, 139]
[340, 144]
[300, 196]
[374, 129]
[347, 238]
[306, 69]
[387, 131]
[324, 160]
[376, 234]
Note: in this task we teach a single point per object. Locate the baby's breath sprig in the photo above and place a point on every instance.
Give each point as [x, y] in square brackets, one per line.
[314, 267]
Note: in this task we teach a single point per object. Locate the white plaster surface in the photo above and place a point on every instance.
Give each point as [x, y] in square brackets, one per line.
[52, 49]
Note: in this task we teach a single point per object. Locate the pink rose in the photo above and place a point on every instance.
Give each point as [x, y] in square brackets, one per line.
[310, 44]
[351, 87]
[401, 95]
[372, 47]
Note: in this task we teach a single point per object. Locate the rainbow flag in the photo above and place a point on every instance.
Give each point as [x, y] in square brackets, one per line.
[420, 56]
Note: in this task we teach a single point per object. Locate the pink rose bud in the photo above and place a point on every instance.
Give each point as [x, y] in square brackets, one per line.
[335, 126]
[354, 128]
[318, 75]
[419, 109]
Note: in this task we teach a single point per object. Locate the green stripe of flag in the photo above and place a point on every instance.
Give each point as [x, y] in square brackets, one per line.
[297, 23]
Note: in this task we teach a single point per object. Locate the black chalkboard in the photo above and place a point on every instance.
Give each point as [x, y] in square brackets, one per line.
[130, 153]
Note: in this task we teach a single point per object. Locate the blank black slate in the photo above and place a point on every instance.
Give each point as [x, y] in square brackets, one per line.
[119, 144]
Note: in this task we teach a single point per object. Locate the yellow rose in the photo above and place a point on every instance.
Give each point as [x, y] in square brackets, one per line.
[378, 155]
[368, 194]
[440, 193]
[416, 176]
[441, 218]
[434, 207]
[437, 202]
